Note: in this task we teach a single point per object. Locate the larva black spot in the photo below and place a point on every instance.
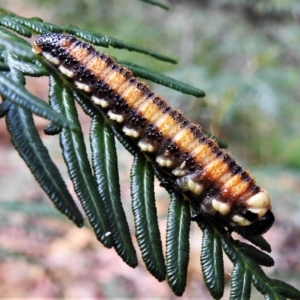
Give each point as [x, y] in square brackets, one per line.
[221, 186]
[149, 94]
[236, 169]
[184, 123]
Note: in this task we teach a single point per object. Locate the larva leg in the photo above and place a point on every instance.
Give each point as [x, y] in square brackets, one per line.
[188, 183]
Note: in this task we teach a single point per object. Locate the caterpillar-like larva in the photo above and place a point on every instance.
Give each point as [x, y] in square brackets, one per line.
[208, 173]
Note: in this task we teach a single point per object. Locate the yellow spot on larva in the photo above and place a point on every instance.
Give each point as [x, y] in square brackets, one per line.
[146, 147]
[83, 86]
[179, 173]
[52, 59]
[221, 207]
[66, 71]
[164, 162]
[130, 132]
[259, 200]
[194, 187]
[115, 117]
[103, 103]
[240, 220]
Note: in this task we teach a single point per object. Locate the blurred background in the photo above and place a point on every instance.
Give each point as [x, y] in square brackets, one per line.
[246, 57]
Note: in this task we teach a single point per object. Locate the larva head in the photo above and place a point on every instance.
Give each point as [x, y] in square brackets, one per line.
[256, 217]
[260, 226]
[253, 215]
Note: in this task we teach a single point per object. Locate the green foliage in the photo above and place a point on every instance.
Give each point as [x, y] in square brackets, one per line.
[106, 41]
[104, 158]
[75, 156]
[246, 260]
[162, 79]
[96, 183]
[212, 262]
[269, 8]
[145, 216]
[177, 243]
[156, 3]
[27, 142]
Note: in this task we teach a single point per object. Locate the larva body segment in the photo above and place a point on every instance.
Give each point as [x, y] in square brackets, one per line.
[208, 173]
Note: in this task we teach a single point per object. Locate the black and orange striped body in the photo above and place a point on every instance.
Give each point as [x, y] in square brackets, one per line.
[202, 168]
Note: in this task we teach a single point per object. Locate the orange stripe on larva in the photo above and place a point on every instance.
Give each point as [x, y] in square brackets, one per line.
[143, 105]
[235, 187]
[215, 169]
[96, 66]
[105, 73]
[123, 87]
[165, 123]
[131, 94]
[67, 43]
[79, 53]
[203, 154]
[223, 179]
[115, 80]
[153, 119]
[174, 129]
[183, 138]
